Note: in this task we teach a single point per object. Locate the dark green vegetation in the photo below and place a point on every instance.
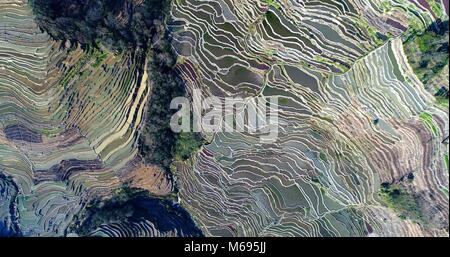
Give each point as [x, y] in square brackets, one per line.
[401, 201]
[133, 206]
[323, 157]
[428, 52]
[186, 145]
[442, 97]
[99, 58]
[159, 144]
[118, 24]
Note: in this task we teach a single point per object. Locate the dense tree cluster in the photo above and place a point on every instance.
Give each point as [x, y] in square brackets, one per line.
[157, 139]
[398, 198]
[159, 144]
[118, 24]
[428, 51]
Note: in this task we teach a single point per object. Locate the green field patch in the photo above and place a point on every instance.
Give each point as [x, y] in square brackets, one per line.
[446, 161]
[272, 3]
[445, 190]
[99, 58]
[436, 8]
[283, 101]
[428, 120]
[77, 67]
[442, 102]
[50, 132]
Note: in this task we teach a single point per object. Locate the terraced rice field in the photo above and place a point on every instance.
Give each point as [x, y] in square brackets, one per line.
[69, 122]
[349, 122]
[353, 118]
